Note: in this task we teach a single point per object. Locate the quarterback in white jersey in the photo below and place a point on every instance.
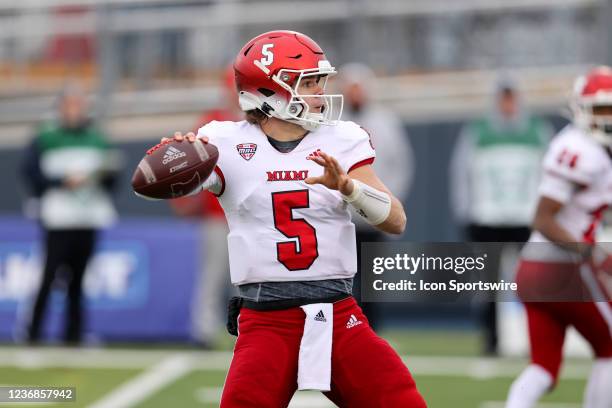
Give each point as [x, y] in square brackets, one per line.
[285, 178]
[282, 229]
[562, 273]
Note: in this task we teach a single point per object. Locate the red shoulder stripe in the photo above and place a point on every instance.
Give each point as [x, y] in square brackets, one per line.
[364, 162]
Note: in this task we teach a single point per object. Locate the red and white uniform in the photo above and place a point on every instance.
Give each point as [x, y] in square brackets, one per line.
[559, 287]
[282, 229]
[578, 174]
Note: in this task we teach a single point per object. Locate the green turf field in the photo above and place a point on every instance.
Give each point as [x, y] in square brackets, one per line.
[445, 366]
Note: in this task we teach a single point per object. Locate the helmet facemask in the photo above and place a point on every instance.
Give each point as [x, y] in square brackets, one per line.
[297, 109]
[592, 104]
[588, 115]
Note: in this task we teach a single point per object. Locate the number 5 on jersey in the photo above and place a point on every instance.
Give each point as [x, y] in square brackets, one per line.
[300, 254]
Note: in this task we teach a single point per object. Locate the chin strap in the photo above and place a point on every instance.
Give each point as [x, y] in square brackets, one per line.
[372, 204]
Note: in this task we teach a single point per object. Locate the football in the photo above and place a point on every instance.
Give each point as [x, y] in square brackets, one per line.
[174, 169]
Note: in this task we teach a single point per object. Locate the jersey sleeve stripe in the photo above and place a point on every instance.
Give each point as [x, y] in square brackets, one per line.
[583, 182]
[364, 162]
[222, 178]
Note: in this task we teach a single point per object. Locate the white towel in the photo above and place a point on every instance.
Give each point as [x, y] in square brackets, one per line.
[314, 365]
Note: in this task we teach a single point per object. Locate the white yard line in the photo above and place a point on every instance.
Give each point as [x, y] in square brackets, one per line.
[484, 368]
[36, 358]
[163, 367]
[146, 384]
[451, 366]
[501, 404]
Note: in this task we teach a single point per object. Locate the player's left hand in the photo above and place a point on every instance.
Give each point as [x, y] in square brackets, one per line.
[333, 176]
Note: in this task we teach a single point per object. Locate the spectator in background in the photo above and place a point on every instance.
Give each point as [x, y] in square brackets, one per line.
[494, 177]
[70, 168]
[208, 309]
[395, 164]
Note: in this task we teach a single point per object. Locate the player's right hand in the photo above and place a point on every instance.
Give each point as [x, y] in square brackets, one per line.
[179, 137]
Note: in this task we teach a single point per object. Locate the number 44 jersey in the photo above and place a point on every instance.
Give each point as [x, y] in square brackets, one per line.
[282, 229]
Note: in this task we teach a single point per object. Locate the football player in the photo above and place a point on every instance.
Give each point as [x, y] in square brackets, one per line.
[286, 177]
[561, 261]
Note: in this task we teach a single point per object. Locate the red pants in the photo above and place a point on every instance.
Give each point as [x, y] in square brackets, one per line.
[548, 322]
[366, 371]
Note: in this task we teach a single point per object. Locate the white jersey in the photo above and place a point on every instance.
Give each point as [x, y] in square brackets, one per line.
[282, 229]
[578, 174]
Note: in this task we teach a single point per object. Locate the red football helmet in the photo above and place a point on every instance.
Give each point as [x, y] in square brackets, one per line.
[269, 70]
[592, 91]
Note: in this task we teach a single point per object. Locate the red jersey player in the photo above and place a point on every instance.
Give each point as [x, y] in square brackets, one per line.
[575, 189]
[285, 178]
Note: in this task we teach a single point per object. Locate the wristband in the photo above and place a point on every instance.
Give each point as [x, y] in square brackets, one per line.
[372, 204]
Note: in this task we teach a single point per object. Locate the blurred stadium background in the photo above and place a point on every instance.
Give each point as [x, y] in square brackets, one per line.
[152, 67]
